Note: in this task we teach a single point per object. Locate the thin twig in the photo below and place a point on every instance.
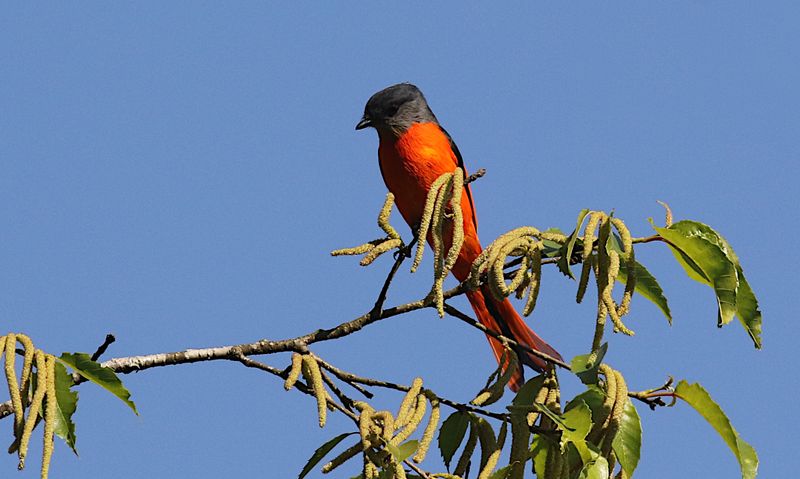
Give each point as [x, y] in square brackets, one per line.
[472, 322]
[102, 348]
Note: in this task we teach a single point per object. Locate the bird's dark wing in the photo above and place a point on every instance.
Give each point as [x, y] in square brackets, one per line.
[454, 147]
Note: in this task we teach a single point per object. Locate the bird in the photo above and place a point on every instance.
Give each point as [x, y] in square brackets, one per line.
[413, 151]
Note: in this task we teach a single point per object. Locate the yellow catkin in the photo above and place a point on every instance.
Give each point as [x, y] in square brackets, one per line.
[588, 234]
[36, 406]
[427, 213]
[49, 416]
[364, 423]
[397, 469]
[458, 219]
[337, 461]
[624, 234]
[26, 364]
[294, 372]
[383, 217]
[489, 450]
[354, 250]
[667, 215]
[413, 422]
[492, 393]
[387, 427]
[370, 469]
[520, 436]
[535, 282]
[444, 475]
[466, 454]
[630, 285]
[314, 377]
[378, 250]
[13, 385]
[408, 402]
[583, 282]
[430, 430]
[621, 397]
[498, 259]
[479, 266]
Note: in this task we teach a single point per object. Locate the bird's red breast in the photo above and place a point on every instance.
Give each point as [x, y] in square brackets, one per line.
[410, 164]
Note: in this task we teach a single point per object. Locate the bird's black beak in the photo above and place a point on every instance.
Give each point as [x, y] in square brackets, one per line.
[364, 123]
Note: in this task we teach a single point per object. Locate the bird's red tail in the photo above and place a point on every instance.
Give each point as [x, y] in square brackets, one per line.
[501, 316]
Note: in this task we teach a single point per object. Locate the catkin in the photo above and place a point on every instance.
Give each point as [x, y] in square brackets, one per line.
[430, 430]
[314, 377]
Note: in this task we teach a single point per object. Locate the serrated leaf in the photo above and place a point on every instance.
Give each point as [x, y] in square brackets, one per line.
[321, 452]
[593, 397]
[587, 372]
[566, 249]
[66, 404]
[597, 468]
[708, 258]
[451, 434]
[102, 376]
[697, 397]
[540, 446]
[403, 451]
[627, 443]
[646, 284]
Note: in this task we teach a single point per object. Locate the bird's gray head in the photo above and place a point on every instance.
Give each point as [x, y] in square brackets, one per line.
[395, 109]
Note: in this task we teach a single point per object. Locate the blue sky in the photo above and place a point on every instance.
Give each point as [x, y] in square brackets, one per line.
[176, 173]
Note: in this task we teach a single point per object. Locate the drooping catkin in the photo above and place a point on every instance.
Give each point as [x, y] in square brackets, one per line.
[414, 420]
[535, 281]
[588, 234]
[430, 430]
[36, 406]
[13, 385]
[403, 414]
[49, 415]
[383, 217]
[294, 372]
[313, 376]
[27, 363]
[378, 250]
[425, 221]
[347, 454]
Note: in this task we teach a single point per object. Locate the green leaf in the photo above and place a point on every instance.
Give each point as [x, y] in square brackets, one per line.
[697, 397]
[747, 309]
[708, 258]
[451, 434]
[627, 443]
[585, 370]
[539, 449]
[100, 375]
[66, 404]
[646, 284]
[579, 422]
[403, 451]
[597, 468]
[321, 452]
[558, 420]
[528, 391]
[593, 397]
[566, 249]
[501, 473]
